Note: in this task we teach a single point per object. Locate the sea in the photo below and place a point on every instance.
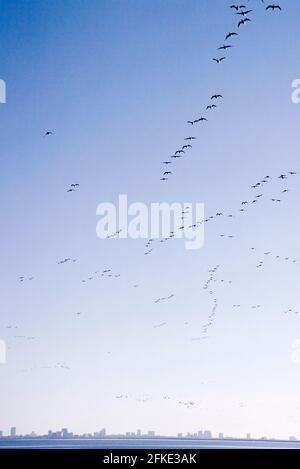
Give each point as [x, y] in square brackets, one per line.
[144, 443]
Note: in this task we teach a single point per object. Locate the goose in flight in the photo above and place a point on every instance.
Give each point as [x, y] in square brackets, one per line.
[237, 7]
[224, 47]
[211, 106]
[216, 96]
[219, 60]
[243, 21]
[190, 138]
[201, 119]
[244, 13]
[229, 35]
[273, 7]
[48, 132]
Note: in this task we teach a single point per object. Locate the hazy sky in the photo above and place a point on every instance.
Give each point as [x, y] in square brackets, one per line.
[116, 81]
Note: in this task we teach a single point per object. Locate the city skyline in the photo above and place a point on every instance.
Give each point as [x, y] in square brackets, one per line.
[65, 434]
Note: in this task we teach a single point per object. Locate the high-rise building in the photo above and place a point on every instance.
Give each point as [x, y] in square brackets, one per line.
[248, 436]
[64, 433]
[151, 434]
[13, 432]
[1, 433]
[221, 436]
[138, 433]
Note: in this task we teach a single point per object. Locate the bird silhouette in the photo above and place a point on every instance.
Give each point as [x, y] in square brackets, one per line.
[273, 7]
[224, 47]
[243, 21]
[229, 35]
[244, 13]
[219, 60]
[237, 7]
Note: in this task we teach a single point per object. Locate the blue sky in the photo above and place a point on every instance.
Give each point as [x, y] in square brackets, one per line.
[117, 81]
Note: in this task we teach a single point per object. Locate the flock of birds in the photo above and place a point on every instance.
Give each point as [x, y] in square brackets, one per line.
[243, 13]
[146, 398]
[244, 206]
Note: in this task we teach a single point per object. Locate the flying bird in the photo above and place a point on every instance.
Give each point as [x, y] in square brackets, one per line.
[224, 47]
[237, 7]
[49, 132]
[229, 35]
[243, 21]
[273, 7]
[219, 60]
[201, 119]
[244, 13]
[216, 96]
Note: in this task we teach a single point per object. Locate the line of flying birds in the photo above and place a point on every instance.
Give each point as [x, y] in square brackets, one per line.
[179, 153]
